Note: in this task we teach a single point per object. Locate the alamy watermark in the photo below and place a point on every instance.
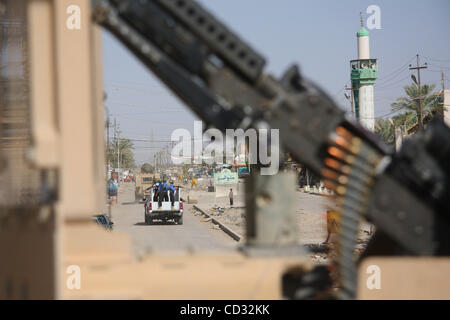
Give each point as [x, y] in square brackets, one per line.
[263, 147]
[374, 19]
[73, 281]
[73, 22]
[373, 281]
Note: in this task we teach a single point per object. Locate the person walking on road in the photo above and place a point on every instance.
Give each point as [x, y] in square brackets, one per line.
[112, 190]
[230, 195]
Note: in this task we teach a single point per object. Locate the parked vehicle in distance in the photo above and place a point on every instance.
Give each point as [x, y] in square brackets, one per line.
[243, 172]
[143, 182]
[104, 221]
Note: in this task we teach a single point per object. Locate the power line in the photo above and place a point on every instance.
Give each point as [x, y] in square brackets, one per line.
[434, 70]
[438, 60]
[142, 106]
[148, 147]
[391, 85]
[394, 76]
[386, 114]
[153, 122]
[143, 113]
[385, 99]
[334, 96]
[118, 88]
[165, 141]
[403, 66]
[141, 134]
[439, 66]
[133, 83]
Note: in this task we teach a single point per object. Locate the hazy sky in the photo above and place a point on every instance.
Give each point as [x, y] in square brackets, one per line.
[320, 36]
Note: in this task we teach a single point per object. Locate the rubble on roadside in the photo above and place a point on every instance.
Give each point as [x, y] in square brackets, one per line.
[233, 217]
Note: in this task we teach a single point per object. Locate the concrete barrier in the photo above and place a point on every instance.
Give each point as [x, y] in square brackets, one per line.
[192, 199]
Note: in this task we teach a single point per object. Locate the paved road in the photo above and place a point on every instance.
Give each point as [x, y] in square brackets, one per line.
[128, 217]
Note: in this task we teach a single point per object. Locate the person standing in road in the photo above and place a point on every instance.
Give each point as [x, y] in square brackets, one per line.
[171, 189]
[230, 195]
[162, 193]
[156, 191]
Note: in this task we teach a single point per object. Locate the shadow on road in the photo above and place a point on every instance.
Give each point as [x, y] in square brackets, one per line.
[160, 223]
[127, 203]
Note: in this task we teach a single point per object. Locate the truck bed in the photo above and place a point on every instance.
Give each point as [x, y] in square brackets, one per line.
[166, 206]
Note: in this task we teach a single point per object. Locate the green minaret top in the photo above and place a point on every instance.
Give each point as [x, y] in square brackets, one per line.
[363, 32]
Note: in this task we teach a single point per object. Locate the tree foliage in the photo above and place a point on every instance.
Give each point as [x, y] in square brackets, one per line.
[409, 112]
[410, 103]
[385, 130]
[126, 154]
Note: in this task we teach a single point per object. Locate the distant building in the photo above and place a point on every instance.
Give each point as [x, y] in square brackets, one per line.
[364, 72]
[446, 101]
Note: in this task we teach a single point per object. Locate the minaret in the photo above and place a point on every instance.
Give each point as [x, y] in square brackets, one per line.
[364, 72]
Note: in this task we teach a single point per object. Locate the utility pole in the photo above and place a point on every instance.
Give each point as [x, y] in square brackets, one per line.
[117, 135]
[443, 91]
[166, 156]
[108, 163]
[107, 143]
[442, 79]
[151, 147]
[158, 159]
[418, 67]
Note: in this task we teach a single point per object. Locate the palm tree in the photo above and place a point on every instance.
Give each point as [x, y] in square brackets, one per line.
[126, 147]
[385, 130]
[406, 120]
[410, 104]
